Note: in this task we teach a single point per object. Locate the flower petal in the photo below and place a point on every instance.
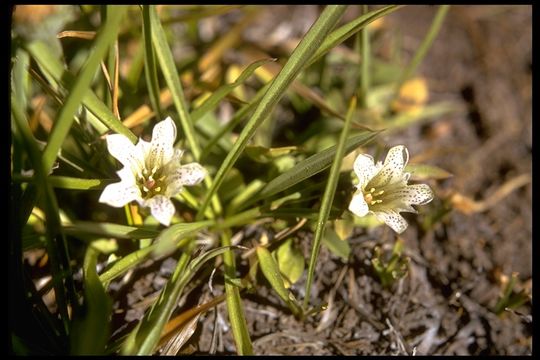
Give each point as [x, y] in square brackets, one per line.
[127, 177]
[392, 219]
[364, 168]
[358, 205]
[161, 146]
[392, 170]
[161, 208]
[418, 194]
[189, 174]
[119, 194]
[128, 154]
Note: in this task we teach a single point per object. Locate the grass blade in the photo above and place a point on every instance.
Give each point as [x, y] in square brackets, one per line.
[66, 182]
[168, 68]
[327, 200]
[51, 66]
[56, 248]
[311, 166]
[105, 37]
[91, 330]
[271, 272]
[234, 302]
[424, 46]
[307, 47]
[346, 31]
[109, 230]
[150, 66]
[366, 62]
[223, 91]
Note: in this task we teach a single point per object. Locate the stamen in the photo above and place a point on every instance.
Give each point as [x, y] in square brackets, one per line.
[372, 190]
[145, 188]
[158, 189]
[368, 198]
[379, 193]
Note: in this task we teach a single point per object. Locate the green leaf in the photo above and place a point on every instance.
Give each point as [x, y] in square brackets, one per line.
[168, 68]
[265, 155]
[337, 246]
[167, 241]
[66, 182]
[424, 47]
[211, 103]
[105, 37]
[55, 241]
[423, 172]
[234, 303]
[290, 261]
[344, 32]
[328, 198]
[150, 66]
[311, 166]
[271, 272]
[296, 63]
[91, 330]
[124, 264]
[56, 71]
[108, 230]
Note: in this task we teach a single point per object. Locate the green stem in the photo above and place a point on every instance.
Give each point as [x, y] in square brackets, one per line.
[423, 49]
[366, 62]
[327, 200]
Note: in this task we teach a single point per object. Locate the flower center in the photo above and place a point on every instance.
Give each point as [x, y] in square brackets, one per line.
[373, 196]
[151, 182]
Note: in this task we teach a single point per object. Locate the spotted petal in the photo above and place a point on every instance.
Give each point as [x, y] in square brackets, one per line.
[358, 205]
[161, 208]
[392, 219]
[418, 194]
[119, 194]
[189, 174]
[161, 146]
[365, 169]
[392, 170]
[128, 154]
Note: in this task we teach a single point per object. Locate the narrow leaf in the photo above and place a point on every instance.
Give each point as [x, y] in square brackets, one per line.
[327, 199]
[311, 166]
[106, 36]
[271, 272]
[225, 90]
[307, 47]
[91, 330]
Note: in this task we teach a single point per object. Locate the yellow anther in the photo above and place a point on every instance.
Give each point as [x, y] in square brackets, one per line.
[158, 189]
[368, 198]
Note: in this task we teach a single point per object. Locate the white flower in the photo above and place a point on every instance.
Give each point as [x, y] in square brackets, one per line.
[152, 172]
[383, 191]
